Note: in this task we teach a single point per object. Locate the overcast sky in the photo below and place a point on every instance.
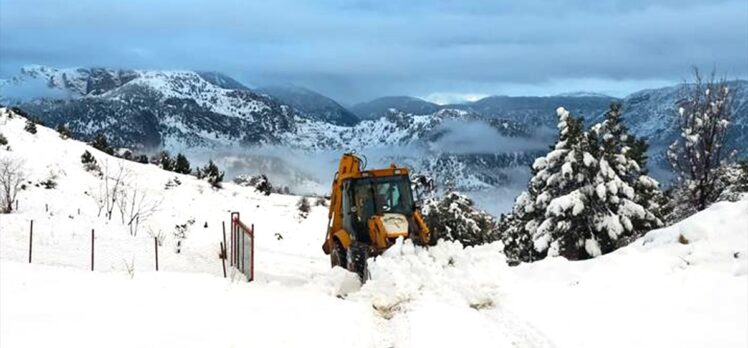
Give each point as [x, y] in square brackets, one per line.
[358, 50]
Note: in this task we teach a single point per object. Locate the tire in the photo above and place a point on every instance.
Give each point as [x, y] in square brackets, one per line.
[433, 239]
[358, 254]
[338, 255]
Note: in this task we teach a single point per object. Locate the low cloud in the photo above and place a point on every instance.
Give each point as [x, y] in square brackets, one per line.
[478, 137]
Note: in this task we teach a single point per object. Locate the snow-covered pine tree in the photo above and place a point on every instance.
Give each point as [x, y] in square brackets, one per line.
[263, 185]
[627, 201]
[733, 181]
[454, 217]
[423, 186]
[704, 117]
[554, 216]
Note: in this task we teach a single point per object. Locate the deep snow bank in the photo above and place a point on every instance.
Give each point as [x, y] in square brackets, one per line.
[662, 291]
[467, 276]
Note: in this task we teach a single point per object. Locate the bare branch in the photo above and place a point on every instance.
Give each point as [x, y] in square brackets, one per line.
[12, 176]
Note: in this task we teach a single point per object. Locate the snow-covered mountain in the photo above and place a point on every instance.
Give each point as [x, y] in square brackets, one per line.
[312, 105]
[151, 109]
[203, 112]
[694, 274]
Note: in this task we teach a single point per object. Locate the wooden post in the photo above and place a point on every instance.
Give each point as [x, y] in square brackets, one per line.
[155, 245]
[46, 207]
[31, 238]
[223, 259]
[223, 249]
[224, 239]
[16, 204]
[92, 249]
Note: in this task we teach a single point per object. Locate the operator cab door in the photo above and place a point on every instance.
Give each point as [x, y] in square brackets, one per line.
[354, 220]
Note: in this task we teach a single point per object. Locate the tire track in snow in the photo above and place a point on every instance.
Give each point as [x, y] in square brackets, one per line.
[521, 333]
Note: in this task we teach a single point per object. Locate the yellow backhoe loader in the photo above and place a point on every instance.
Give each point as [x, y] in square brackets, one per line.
[369, 210]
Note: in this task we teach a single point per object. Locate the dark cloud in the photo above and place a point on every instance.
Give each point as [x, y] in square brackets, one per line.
[354, 50]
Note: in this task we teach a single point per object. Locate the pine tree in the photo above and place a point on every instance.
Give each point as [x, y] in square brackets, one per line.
[63, 131]
[182, 165]
[263, 185]
[165, 161]
[627, 200]
[555, 214]
[454, 217]
[3, 140]
[733, 181]
[211, 174]
[30, 126]
[89, 162]
[101, 143]
[303, 206]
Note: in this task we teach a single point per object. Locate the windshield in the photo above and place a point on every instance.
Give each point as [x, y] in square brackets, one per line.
[376, 196]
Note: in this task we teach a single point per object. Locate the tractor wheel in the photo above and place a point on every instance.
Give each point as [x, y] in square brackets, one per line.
[358, 254]
[338, 255]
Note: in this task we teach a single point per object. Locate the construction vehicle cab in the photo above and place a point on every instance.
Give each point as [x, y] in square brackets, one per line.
[369, 210]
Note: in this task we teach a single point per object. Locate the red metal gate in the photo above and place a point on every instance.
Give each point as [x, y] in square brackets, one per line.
[242, 247]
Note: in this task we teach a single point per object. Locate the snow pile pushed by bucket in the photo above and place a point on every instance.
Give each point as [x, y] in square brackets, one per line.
[448, 271]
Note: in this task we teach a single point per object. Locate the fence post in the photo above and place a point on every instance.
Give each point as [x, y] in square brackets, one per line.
[235, 251]
[92, 249]
[223, 223]
[223, 259]
[31, 238]
[223, 249]
[155, 245]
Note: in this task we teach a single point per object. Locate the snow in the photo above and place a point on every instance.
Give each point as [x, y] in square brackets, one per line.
[573, 201]
[681, 286]
[592, 247]
[612, 224]
[567, 170]
[588, 160]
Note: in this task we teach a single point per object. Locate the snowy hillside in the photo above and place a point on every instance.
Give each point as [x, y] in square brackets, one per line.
[683, 286]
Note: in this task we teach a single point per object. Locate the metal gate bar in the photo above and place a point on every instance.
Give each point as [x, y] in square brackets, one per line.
[242, 246]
